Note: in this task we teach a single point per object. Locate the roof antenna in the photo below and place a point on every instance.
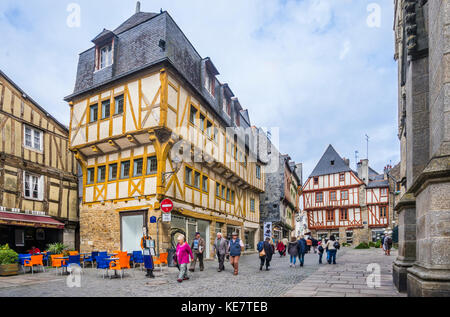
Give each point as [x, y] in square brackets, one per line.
[138, 7]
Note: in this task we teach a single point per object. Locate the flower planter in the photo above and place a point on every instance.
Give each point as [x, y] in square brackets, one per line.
[9, 269]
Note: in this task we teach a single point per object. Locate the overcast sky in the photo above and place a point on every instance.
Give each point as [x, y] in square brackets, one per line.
[320, 70]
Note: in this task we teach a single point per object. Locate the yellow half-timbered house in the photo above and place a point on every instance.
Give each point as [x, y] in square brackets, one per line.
[38, 175]
[149, 121]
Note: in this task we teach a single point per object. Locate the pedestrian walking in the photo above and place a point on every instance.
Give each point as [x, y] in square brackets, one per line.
[184, 254]
[281, 248]
[293, 251]
[387, 245]
[198, 247]
[315, 244]
[221, 249]
[332, 245]
[302, 248]
[235, 247]
[321, 250]
[308, 245]
[265, 255]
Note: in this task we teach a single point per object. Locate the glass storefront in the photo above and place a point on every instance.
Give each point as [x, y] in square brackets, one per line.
[250, 239]
[190, 226]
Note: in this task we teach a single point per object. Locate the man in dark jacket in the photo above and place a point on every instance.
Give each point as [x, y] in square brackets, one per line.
[302, 250]
[197, 247]
[268, 250]
[315, 244]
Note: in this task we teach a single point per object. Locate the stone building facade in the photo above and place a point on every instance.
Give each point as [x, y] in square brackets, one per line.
[149, 121]
[280, 201]
[422, 50]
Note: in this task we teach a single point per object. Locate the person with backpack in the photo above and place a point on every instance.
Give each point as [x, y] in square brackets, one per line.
[302, 248]
[387, 245]
[332, 246]
[265, 255]
[293, 251]
[321, 250]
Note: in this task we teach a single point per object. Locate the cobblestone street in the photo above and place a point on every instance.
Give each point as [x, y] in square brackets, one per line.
[250, 282]
[349, 277]
[281, 280]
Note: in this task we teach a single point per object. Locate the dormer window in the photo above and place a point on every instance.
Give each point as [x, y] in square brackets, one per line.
[210, 83]
[106, 58]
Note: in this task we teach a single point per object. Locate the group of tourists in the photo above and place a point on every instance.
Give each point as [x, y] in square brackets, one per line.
[193, 253]
[233, 248]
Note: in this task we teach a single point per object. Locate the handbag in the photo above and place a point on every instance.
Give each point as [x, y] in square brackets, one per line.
[262, 253]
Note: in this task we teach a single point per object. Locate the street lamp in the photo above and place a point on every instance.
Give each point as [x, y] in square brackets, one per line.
[176, 163]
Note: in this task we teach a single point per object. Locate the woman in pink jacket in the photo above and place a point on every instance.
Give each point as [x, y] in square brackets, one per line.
[183, 253]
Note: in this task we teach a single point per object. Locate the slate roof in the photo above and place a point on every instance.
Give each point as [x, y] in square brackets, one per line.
[325, 166]
[377, 183]
[134, 20]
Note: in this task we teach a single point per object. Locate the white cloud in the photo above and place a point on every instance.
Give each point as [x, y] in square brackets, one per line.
[311, 67]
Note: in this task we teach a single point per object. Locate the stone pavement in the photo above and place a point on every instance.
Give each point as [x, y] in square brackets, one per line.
[348, 278]
[250, 283]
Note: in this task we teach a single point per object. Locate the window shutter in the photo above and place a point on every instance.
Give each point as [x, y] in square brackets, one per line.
[41, 188]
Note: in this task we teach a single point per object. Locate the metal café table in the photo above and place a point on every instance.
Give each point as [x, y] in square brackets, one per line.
[64, 267]
[115, 271]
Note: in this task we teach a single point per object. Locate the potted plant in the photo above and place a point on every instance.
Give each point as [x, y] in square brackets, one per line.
[8, 261]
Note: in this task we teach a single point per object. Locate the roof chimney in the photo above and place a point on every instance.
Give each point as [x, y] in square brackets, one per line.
[138, 7]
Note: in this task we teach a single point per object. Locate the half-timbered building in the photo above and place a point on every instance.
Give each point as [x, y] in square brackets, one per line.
[353, 206]
[149, 121]
[38, 183]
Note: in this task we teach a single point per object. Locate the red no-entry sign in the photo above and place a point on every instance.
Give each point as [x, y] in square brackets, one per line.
[166, 205]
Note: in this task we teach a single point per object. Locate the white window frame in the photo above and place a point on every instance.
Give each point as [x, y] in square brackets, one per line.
[108, 58]
[34, 132]
[28, 178]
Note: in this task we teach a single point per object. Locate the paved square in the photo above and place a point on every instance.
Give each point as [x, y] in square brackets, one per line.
[347, 278]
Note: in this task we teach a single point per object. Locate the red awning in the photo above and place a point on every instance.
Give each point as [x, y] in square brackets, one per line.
[26, 220]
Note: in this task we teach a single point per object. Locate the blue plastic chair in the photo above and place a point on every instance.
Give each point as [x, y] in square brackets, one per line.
[102, 264]
[103, 254]
[138, 258]
[90, 259]
[46, 257]
[74, 259]
[21, 259]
